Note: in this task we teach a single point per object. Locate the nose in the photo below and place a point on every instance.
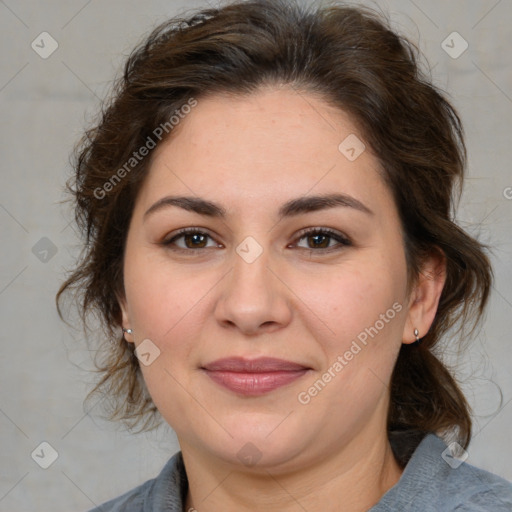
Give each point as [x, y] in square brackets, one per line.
[253, 298]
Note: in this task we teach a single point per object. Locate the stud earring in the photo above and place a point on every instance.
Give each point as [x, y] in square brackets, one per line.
[416, 333]
[128, 331]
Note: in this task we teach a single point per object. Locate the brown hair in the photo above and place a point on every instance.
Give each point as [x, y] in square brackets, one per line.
[353, 60]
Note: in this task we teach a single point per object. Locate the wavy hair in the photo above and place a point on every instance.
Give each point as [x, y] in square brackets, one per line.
[351, 58]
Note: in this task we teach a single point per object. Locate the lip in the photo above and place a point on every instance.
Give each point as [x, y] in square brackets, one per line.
[253, 377]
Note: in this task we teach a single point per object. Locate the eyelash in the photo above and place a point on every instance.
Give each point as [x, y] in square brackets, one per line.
[342, 240]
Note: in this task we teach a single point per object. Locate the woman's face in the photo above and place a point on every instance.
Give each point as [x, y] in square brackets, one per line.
[252, 283]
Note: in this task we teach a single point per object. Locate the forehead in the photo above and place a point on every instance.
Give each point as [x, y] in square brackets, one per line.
[266, 146]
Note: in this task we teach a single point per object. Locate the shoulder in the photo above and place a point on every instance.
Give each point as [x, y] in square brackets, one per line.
[165, 492]
[477, 490]
[130, 501]
[433, 481]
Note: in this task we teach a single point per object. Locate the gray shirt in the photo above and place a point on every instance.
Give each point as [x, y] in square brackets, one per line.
[432, 481]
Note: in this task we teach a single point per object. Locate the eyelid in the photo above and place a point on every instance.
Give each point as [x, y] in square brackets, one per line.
[341, 238]
[323, 230]
[184, 231]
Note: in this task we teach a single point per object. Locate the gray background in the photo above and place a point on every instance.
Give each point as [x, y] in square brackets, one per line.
[45, 104]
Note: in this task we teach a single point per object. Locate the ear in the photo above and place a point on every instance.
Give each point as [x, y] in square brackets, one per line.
[425, 296]
[126, 321]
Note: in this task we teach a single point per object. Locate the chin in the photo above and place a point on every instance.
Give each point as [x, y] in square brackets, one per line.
[259, 440]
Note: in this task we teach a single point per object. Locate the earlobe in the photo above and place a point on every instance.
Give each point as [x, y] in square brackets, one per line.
[425, 296]
[127, 332]
[125, 320]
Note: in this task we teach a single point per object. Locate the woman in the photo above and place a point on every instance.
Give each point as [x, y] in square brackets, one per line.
[267, 205]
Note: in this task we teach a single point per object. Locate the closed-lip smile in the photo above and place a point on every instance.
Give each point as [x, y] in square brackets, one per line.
[253, 377]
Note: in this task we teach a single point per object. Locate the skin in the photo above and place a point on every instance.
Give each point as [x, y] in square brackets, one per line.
[296, 302]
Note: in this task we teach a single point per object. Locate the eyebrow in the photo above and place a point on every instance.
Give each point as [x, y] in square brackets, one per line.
[291, 208]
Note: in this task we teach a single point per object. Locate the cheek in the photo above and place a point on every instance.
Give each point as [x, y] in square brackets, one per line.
[162, 296]
[351, 297]
[363, 307]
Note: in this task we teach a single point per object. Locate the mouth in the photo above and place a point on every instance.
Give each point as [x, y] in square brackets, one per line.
[253, 377]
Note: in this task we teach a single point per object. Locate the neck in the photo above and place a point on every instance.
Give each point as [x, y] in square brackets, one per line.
[355, 477]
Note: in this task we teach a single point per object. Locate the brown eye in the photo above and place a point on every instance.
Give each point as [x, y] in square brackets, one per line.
[321, 239]
[194, 240]
[191, 238]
